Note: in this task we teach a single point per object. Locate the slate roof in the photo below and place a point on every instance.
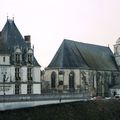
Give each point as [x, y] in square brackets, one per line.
[10, 37]
[73, 54]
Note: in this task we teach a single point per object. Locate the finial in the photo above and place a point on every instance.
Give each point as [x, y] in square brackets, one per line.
[108, 45]
[13, 17]
[7, 17]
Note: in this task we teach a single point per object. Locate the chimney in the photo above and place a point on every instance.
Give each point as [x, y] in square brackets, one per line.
[27, 40]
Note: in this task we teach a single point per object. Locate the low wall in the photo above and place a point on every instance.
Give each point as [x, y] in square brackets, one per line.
[37, 97]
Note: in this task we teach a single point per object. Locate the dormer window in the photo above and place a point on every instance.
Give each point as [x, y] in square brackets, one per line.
[18, 56]
[30, 58]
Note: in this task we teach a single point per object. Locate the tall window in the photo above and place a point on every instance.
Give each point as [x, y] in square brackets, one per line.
[4, 59]
[17, 74]
[53, 80]
[17, 88]
[71, 81]
[98, 83]
[17, 58]
[29, 89]
[29, 74]
[30, 58]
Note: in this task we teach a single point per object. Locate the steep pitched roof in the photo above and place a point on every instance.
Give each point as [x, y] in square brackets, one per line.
[11, 37]
[72, 54]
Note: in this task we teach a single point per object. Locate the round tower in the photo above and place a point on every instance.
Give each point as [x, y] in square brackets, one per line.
[117, 52]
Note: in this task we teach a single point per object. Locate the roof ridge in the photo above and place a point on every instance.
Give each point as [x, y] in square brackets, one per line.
[85, 43]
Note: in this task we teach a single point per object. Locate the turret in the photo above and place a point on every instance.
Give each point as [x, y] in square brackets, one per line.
[117, 51]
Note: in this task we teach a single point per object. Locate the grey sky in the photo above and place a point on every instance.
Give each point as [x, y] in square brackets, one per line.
[50, 21]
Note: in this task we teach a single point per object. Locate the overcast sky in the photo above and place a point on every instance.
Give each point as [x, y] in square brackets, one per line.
[50, 21]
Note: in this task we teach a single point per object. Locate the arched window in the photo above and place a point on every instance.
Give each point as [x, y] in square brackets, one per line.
[53, 80]
[71, 81]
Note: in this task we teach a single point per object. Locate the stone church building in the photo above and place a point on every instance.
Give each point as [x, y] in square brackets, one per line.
[82, 67]
[19, 70]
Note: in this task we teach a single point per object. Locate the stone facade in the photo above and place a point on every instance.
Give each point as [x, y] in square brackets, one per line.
[77, 80]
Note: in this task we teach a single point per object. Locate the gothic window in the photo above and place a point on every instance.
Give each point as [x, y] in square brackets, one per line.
[17, 74]
[29, 89]
[53, 80]
[29, 74]
[71, 81]
[17, 88]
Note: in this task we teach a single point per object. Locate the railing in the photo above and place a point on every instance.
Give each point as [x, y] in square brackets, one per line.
[37, 97]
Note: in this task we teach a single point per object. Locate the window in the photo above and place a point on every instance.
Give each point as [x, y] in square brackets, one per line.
[71, 81]
[29, 74]
[17, 72]
[17, 58]
[29, 89]
[17, 88]
[53, 80]
[30, 58]
[3, 59]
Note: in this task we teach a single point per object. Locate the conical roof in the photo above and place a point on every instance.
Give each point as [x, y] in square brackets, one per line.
[11, 36]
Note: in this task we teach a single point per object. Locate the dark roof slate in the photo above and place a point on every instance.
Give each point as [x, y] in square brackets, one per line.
[72, 54]
[11, 37]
